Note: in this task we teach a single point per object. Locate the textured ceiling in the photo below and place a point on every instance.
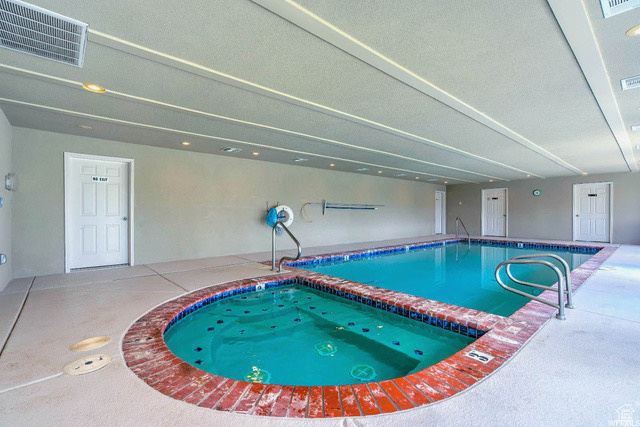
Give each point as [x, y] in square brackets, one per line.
[233, 73]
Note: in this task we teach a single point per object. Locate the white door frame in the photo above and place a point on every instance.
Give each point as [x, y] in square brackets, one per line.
[506, 208]
[67, 208]
[573, 208]
[444, 211]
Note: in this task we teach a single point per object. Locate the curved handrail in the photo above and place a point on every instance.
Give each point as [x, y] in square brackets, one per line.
[273, 247]
[565, 266]
[559, 288]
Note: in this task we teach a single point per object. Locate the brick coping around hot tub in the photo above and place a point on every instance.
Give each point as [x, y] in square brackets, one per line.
[499, 338]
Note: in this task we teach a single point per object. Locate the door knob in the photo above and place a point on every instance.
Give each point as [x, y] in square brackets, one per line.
[124, 218]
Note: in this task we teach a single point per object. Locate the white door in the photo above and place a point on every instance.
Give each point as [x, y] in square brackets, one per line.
[440, 227]
[591, 220]
[97, 209]
[494, 212]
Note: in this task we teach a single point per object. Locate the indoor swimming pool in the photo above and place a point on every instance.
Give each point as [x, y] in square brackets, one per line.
[456, 274]
[304, 344]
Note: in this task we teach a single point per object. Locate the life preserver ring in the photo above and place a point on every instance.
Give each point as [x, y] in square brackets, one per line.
[285, 214]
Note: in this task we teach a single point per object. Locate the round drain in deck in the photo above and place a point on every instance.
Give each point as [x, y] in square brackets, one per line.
[363, 372]
[90, 343]
[258, 375]
[87, 364]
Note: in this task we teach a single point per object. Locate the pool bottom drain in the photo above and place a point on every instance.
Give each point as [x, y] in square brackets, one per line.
[364, 373]
[326, 348]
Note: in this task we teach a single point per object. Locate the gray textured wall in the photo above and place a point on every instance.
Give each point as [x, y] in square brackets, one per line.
[5, 212]
[548, 216]
[193, 205]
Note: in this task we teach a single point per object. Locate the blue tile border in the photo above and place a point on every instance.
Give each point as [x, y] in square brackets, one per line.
[223, 295]
[374, 253]
[537, 245]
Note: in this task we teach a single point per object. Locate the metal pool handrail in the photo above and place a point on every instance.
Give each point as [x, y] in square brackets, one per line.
[565, 266]
[458, 222]
[560, 288]
[273, 247]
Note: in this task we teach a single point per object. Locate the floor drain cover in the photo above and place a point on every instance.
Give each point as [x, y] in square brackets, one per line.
[258, 375]
[90, 343]
[87, 364]
[363, 372]
[326, 348]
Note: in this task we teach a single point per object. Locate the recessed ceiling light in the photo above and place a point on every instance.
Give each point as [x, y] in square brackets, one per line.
[300, 159]
[362, 169]
[85, 127]
[528, 176]
[635, 31]
[92, 87]
[255, 153]
[185, 143]
[400, 174]
[417, 177]
[584, 173]
[446, 182]
[331, 165]
[231, 150]
[490, 180]
[379, 171]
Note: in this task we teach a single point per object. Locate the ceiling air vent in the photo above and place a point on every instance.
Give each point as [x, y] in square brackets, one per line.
[630, 83]
[36, 31]
[613, 7]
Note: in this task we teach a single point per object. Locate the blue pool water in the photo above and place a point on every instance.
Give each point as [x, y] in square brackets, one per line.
[295, 335]
[454, 274]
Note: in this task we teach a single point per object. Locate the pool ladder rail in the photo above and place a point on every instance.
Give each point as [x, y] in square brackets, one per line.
[563, 285]
[458, 222]
[273, 247]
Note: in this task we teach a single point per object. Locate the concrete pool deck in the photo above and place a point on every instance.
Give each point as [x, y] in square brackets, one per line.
[579, 371]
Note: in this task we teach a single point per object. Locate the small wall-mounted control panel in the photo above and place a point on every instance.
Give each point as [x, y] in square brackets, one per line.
[3, 259]
[10, 181]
